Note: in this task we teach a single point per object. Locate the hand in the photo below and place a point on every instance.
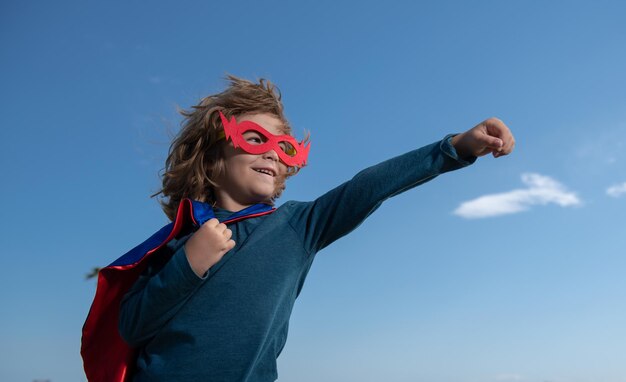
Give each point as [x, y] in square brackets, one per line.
[489, 136]
[208, 245]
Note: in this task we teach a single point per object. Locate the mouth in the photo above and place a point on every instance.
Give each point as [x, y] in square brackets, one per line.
[266, 171]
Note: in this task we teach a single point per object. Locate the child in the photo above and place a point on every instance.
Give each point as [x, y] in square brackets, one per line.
[214, 300]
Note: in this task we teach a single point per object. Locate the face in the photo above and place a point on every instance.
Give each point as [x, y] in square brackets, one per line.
[250, 178]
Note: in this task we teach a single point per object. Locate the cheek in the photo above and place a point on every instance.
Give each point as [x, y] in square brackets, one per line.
[237, 162]
[279, 185]
[283, 169]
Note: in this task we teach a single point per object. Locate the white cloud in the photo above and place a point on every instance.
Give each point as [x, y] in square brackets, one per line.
[617, 190]
[540, 190]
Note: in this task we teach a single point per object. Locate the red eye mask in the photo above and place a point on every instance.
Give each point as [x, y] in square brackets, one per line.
[290, 152]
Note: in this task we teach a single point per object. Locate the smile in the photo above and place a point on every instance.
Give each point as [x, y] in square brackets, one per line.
[265, 171]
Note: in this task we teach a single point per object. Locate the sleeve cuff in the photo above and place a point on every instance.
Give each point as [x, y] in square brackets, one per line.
[448, 149]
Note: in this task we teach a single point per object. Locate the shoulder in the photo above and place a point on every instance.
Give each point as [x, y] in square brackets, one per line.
[292, 207]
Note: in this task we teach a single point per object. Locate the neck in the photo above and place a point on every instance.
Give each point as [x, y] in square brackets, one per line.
[226, 202]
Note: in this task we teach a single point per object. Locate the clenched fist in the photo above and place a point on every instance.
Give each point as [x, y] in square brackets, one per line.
[490, 136]
[208, 245]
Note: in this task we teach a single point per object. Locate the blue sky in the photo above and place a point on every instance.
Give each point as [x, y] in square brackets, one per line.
[510, 270]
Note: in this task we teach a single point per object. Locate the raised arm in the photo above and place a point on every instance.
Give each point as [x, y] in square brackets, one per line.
[342, 209]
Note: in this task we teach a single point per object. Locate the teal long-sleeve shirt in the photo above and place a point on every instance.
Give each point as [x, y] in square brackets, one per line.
[231, 325]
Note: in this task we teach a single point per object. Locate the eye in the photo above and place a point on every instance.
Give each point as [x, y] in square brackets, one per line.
[287, 148]
[253, 138]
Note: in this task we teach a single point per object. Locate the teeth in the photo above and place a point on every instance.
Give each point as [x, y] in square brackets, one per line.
[263, 171]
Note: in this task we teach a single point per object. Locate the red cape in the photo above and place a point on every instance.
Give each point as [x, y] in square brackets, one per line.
[106, 357]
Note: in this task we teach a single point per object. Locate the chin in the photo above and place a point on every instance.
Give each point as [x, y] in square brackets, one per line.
[263, 198]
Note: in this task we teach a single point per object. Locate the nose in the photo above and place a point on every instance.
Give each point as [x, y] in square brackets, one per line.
[271, 155]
